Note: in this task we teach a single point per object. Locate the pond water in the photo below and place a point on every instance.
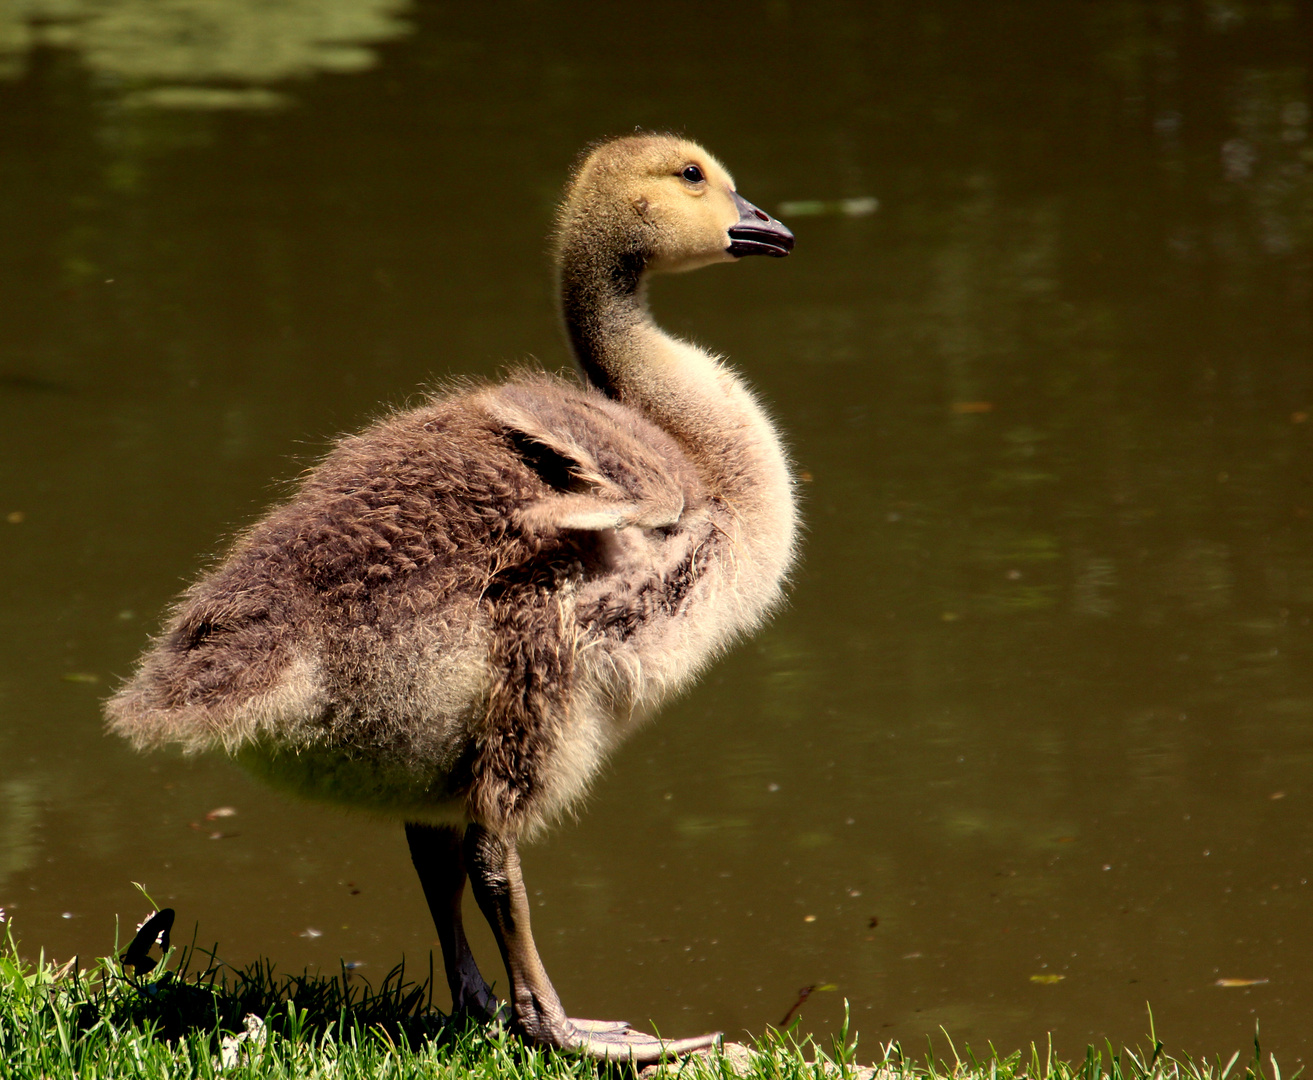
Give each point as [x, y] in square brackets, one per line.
[1031, 747]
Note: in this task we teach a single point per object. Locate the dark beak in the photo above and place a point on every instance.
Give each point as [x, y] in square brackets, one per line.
[756, 232]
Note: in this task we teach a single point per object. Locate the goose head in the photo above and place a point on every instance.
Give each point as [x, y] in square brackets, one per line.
[665, 203]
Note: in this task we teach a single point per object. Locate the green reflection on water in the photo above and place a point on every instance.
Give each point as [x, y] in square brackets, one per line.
[169, 55]
[18, 818]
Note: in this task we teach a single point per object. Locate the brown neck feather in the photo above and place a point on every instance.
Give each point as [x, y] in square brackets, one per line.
[602, 304]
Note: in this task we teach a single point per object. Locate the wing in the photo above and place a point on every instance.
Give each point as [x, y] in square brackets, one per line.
[607, 465]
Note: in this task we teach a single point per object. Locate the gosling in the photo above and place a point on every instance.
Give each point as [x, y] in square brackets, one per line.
[467, 606]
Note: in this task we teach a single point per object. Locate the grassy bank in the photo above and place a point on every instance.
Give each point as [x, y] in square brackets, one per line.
[190, 1016]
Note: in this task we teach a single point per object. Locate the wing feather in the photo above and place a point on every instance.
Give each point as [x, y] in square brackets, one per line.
[607, 468]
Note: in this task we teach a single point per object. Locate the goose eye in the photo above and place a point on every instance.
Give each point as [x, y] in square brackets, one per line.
[693, 174]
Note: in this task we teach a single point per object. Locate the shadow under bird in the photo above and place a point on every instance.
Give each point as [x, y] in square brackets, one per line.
[465, 607]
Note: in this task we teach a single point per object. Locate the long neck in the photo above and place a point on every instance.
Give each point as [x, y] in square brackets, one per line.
[681, 388]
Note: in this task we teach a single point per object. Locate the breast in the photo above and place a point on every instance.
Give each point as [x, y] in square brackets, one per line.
[394, 788]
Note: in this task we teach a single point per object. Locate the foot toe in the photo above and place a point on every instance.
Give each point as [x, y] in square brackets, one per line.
[607, 1041]
[601, 1027]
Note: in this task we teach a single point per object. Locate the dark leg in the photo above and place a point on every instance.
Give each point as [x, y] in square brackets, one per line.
[494, 866]
[439, 860]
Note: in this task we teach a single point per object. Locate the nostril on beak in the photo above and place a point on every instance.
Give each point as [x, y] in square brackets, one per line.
[761, 215]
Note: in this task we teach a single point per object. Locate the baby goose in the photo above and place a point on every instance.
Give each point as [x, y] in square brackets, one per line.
[466, 606]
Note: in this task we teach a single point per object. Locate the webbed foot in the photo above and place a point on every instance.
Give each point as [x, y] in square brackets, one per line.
[606, 1040]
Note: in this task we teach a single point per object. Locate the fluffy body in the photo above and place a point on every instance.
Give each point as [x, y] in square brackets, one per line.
[460, 612]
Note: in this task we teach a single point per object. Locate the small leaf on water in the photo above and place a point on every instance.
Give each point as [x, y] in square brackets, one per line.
[80, 676]
[859, 207]
[1240, 982]
[1047, 980]
[802, 207]
[862, 206]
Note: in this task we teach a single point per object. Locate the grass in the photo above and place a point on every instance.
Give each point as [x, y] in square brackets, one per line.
[183, 1017]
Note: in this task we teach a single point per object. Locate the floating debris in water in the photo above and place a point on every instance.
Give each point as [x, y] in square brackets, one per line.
[1240, 982]
[80, 676]
[221, 812]
[859, 207]
[310, 933]
[1047, 980]
[15, 517]
[803, 995]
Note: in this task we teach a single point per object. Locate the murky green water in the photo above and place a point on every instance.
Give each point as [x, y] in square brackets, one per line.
[1042, 704]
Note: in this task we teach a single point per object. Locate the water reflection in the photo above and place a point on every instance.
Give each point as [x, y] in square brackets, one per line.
[18, 819]
[201, 53]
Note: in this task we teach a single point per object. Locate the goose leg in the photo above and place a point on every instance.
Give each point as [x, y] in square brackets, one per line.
[439, 860]
[494, 867]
